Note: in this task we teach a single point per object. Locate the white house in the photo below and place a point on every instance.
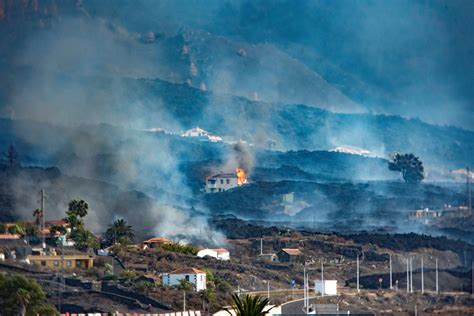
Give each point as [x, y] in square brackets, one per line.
[201, 134]
[218, 253]
[221, 182]
[192, 275]
[328, 287]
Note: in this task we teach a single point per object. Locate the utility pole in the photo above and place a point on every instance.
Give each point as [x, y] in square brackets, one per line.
[437, 288]
[411, 274]
[305, 289]
[469, 198]
[390, 261]
[422, 277]
[307, 293]
[61, 281]
[261, 246]
[358, 290]
[323, 288]
[184, 301]
[268, 289]
[408, 277]
[43, 218]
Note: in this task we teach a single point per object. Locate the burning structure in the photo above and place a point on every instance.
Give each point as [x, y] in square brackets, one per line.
[224, 181]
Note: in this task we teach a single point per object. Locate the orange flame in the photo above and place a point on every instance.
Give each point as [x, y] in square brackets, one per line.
[241, 176]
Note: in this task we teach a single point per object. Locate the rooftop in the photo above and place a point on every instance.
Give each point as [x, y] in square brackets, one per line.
[223, 175]
[292, 251]
[9, 236]
[58, 257]
[157, 240]
[187, 271]
[220, 250]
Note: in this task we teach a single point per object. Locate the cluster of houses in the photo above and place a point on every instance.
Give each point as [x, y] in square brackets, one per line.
[18, 248]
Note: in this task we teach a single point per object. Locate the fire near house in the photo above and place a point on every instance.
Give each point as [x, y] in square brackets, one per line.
[224, 181]
[191, 275]
[221, 182]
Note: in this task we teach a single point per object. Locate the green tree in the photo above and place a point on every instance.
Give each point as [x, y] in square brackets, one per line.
[38, 215]
[249, 305]
[119, 231]
[3, 228]
[74, 222]
[30, 229]
[409, 166]
[208, 294]
[84, 240]
[185, 285]
[12, 156]
[43, 310]
[15, 229]
[57, 228]
[78, 208]
[20, 296]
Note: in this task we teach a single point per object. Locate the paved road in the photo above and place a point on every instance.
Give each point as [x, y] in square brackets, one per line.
[296, 307]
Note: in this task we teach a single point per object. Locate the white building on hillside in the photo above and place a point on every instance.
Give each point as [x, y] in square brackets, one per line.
[195, 132]
[221, 182]
[192, 275]
[218, 253]
[326, 287]
[201, 134]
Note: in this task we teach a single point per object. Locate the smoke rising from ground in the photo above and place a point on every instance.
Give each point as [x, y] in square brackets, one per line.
[65, 61]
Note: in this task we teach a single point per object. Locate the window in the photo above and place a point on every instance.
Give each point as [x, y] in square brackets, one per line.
[56, 263]
[227, 181]
[43, 263]
[222, 181]
[78, 263]
[187, 278]
[68, 263]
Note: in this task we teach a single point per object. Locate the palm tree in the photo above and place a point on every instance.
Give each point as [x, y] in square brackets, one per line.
[120, 231]
[249, 305]
[23, 299]
[38, 214]
[78, 208]
[74, 222]
[84, 240]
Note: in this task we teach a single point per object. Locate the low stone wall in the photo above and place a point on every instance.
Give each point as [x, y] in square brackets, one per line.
[117, 289]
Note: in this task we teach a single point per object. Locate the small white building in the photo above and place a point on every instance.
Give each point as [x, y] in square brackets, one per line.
[192, 275]
[327, 287]
[201, 134]
[195, 132]
[221, 182]
[218, 253]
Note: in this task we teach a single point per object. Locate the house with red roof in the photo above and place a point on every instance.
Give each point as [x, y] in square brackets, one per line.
[289, 255]
[191, 275]
[156, 241]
